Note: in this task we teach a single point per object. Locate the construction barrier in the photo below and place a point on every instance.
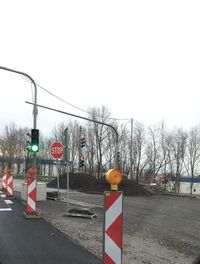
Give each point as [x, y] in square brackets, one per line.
[112, 230]
[4, 182]
[31, 198]
[9, 188]
[31, 195]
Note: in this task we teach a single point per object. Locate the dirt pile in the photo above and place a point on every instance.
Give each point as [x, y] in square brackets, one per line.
[87, 183]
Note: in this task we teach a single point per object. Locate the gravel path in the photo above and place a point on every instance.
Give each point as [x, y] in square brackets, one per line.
[137, 248]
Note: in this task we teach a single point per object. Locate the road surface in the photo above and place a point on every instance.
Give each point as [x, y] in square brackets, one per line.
[172, 221]
[35, 241]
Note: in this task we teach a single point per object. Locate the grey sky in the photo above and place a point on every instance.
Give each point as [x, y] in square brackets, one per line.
[139, 58]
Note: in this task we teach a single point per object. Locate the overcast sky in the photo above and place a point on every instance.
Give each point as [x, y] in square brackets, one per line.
[140, 58]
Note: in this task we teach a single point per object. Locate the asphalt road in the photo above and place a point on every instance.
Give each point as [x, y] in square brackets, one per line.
[170, 220]
[35, 241]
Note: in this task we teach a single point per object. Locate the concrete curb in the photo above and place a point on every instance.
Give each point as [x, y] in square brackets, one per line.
[181, 195]
[83, 204]
[80, 212]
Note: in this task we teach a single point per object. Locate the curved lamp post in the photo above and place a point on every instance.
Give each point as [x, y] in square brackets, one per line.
[117, 161]
[35, 110]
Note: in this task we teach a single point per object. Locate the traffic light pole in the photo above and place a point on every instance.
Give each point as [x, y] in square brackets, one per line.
[35, 110]
[67, 158]
[117, 162]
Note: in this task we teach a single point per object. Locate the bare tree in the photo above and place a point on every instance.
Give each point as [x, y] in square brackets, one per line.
[178, 149]
[193, 154]
[156, 151]
[13, 145]
[139, 160]
[100, 136]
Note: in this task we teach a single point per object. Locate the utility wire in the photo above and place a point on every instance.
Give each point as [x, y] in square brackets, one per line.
[64, 101]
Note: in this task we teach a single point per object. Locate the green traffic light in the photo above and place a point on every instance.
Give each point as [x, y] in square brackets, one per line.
[34, 148]
[34, 140]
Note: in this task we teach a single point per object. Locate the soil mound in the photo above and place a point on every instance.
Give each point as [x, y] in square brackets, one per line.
[89, 184]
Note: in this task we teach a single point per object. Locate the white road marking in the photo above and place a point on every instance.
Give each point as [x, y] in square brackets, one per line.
[8, 202]
[5, 209]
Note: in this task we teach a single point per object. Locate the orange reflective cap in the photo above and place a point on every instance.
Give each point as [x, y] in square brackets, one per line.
[114, 176]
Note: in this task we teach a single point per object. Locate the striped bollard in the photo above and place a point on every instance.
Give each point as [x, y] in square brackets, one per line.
[31, 195]
[112, 232]
[9, 192]
[4, 182]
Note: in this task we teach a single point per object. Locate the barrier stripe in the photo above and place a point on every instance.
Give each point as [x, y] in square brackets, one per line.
[9, 192]
[9, 189]
[113, 212]
[32, 185]
[112, 243]
[112, 197]
[4, 178]
[113, 231]
[107, 259]
[112, 250]
[31, 204]
[9, 180]
[31, 198]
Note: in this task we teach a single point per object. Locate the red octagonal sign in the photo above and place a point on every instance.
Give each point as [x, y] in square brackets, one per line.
[56, 149]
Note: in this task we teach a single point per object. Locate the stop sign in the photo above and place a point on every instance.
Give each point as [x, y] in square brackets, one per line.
[56, 149]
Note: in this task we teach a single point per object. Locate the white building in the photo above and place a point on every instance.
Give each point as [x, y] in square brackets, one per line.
[186, 183]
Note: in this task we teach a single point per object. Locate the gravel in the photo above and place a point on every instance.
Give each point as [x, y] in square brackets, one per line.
[137, 248]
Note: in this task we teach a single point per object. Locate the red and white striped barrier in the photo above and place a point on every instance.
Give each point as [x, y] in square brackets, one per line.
[9, 192]
[4, 182]
[112, 233]
[31, 197]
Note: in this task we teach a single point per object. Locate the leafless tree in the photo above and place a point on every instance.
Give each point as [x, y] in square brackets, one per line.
[139, 159]
[193, 154]
[156, 151]
[178, 150]
[100, 135]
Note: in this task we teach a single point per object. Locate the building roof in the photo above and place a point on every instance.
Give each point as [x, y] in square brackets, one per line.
[186, 179]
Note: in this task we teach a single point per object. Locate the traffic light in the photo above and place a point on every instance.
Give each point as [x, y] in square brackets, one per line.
[34, 140]
[28, 142]
[118, 159]
[82, 142]
[81, 161]
[28, 146]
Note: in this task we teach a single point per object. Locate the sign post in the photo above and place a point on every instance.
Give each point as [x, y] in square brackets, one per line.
[112, 229]
[113, 216]
[67, 158]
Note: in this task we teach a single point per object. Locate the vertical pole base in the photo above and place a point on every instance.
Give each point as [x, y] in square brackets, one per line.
[11, 197]
[32, 215]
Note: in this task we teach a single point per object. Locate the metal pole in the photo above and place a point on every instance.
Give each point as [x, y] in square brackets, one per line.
[68, 184]
[79, 149]
[67, 158]
[35, 110]
[58, 181]
[131, 151]
[92, 120]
